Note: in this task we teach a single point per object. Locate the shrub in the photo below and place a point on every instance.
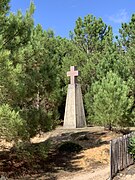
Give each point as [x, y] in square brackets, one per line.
[131, 147]
[12, 126]
[28, 151]
[110, 101]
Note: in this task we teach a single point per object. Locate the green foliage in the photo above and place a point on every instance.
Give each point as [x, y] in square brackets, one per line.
[39, 120]
[4, 6]
[89, 33]
[110, 100]
[12, 126]
[28, 72]
[4, 9]
[131, 147]
[33, 66]
[127, 33]
[31, 152]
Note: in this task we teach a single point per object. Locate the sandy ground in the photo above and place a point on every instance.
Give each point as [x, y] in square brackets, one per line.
[92, 162]
[100, 154]
[102, 173]
[97, 174]
[127, 174]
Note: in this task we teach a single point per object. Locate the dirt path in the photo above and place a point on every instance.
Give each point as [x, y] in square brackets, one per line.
[102, 173]
[127, 174]
[91, 163]
[97, 174]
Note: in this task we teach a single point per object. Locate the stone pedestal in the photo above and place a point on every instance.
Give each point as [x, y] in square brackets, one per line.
[74, 110]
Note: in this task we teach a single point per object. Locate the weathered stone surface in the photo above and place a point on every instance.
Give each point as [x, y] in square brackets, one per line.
[70, 109]
[80, 114]
[74, 110]
[73, 73]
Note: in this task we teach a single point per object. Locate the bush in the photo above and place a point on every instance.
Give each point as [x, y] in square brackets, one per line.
[39, 120]
[110, 101]
[131, 147]
[30, 152]
[12, 126]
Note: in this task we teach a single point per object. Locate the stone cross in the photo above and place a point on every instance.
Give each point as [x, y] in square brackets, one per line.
[73, 73]
[74, 111]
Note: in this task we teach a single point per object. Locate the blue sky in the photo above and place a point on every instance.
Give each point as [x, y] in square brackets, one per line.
[60, 15]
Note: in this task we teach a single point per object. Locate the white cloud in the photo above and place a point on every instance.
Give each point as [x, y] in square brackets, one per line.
[121, 16]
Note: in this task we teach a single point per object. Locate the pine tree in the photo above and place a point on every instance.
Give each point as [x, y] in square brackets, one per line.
[110, 101]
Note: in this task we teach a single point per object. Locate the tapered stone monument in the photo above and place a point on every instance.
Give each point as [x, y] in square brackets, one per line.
[74, 110]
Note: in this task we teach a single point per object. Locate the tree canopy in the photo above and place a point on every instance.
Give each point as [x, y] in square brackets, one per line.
[33, 66]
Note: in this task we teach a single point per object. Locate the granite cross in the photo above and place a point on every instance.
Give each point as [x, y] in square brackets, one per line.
[73, 73]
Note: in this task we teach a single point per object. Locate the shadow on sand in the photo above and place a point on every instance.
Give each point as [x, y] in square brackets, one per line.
[20, 167]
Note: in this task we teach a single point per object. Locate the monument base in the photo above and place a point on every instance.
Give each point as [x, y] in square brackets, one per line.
[74, 110]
